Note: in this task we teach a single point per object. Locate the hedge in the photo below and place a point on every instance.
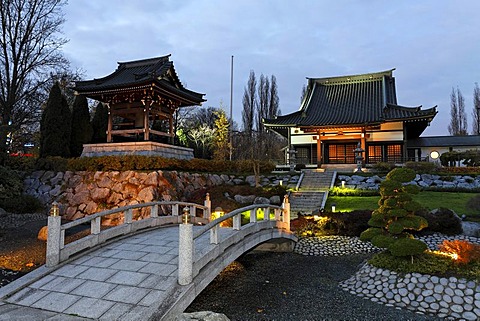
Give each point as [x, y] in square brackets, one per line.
[141, 163]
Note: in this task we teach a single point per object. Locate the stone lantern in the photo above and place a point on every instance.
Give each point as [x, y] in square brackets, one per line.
[292, 157]
[358, 157]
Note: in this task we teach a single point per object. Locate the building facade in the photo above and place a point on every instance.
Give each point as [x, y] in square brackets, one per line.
[338, 113]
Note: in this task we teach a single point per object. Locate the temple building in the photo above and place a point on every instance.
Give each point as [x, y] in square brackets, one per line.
[337, 113]
[142, 97]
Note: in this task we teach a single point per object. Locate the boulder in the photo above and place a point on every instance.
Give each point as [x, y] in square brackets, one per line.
[43, 234]
[244, 199]
[202, 316]
[275, 199]
[261, 200]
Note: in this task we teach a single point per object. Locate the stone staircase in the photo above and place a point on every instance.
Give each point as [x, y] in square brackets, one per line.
[312, 192]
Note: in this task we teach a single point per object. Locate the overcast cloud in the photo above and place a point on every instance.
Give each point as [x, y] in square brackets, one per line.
[434, 45]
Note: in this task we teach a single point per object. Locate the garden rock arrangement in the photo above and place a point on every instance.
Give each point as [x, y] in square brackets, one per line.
[445, 297]
[333, 245]
[423, 181]
[85, 193]
[449, 298]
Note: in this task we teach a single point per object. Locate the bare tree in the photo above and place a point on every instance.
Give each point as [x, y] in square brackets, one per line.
[263, 102]
[29, 52]
[303, 94]
[462, 116]
[274, 104]
[249, 102]
[476, 110]
[458, 119]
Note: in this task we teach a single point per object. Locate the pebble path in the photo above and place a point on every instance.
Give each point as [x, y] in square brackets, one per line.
[449, 298]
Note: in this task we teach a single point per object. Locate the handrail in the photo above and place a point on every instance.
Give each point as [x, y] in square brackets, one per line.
[187, 268]
[122, 209]
[239, 211]
[58, 251]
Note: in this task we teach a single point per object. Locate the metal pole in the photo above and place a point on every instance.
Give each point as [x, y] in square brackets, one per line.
[231, 108]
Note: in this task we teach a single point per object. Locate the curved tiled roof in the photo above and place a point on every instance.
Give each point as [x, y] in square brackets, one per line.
[355, 100]
[159, 71]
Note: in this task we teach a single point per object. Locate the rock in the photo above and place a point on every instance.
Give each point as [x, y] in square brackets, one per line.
[471, 228]
[275, 199]
[100, 194]
[244, 199]
[2, 212]
[261, 200]
[250, 180]
[43, 234]
[202, 316]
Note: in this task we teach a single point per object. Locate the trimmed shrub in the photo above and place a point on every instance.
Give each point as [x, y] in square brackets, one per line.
[11, 184]
[349, 223]
[396, 214]
[407, 247]
[442, 220]
[421, 167]
[338, 191]
[383, 167]
[21, 204]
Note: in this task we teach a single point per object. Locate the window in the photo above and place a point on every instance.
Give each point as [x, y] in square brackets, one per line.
[391, 153]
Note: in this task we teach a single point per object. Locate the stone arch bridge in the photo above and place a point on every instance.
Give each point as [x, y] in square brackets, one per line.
[151, 268]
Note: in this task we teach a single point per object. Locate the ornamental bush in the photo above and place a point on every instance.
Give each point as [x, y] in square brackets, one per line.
[391, 223]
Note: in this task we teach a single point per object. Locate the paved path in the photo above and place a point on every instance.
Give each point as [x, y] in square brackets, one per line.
[124, 280]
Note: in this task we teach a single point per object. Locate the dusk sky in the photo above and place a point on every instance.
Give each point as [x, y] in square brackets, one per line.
[434, 45]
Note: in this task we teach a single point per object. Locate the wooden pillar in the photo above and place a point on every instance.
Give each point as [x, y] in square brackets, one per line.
[319, 149]
[110, 124]
[170, 129]
[146, 123]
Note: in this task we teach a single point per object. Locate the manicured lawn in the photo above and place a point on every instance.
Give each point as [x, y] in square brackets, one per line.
[455, 201]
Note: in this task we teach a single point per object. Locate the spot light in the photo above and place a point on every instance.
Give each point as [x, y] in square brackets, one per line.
[434, 154]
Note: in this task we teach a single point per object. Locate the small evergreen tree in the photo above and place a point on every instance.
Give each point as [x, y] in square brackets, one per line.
[55, 125]
[395, 216]
[221, 144]
[100, 124]
[81, 128]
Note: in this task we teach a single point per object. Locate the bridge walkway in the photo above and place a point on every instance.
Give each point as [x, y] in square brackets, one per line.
[122, 280]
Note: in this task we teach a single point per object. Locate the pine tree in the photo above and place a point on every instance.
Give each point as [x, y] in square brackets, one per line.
[55, 126]
[395, 217]
[100, 124]
[82, 130]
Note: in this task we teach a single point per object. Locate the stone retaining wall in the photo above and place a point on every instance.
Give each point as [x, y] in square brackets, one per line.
[85, 193]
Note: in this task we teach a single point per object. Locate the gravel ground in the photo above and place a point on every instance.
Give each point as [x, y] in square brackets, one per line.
[289, 286]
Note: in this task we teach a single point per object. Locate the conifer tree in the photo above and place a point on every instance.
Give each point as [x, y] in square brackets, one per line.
[100, 124]
[221, 145]
[82, 130]
[392, 221]
[55, 126]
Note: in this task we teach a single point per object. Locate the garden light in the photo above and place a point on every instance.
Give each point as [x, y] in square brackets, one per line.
[54, 210]
[186, 215]
[218, 212]
[343, 184]
[333, 208]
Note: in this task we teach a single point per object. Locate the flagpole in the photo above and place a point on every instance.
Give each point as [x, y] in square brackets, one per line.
[231, 108]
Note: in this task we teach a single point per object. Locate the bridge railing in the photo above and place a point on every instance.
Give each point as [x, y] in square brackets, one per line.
[188, 269]
[58, 251]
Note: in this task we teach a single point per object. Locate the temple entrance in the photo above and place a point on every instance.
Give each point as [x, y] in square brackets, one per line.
[340, 153]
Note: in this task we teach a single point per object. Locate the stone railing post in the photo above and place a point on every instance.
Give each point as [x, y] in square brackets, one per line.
[286, 212]
[185, 253]
[53, 237]
[208, 204]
